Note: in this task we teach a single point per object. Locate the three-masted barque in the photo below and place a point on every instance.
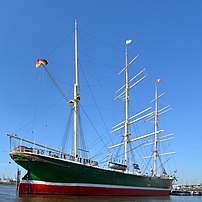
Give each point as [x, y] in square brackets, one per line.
[50, 171]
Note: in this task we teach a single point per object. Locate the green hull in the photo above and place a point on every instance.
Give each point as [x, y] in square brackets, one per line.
[50, 169]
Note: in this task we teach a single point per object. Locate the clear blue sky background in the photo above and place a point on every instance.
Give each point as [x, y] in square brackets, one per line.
[166, 34]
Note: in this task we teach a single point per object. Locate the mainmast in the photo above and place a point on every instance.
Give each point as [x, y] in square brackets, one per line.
[76, 92]
[155, 130]
[126, 134]
[129, 120]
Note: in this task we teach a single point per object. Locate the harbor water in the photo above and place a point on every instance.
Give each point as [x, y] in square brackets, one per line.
[8, 194]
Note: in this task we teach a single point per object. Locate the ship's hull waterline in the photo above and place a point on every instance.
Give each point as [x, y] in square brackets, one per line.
[51, 175]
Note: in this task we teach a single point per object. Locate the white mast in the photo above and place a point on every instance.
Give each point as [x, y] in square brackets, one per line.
[76, 93]
[155, 130]
[129, 120]
[126, 134]
[75, 101]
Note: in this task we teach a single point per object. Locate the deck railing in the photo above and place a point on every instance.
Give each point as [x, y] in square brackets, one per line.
[46, 151]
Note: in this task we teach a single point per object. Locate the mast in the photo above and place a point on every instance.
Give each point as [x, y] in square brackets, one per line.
[76, 92]
[155, 130]
[75, 101]
[126, 134]
[124, 93]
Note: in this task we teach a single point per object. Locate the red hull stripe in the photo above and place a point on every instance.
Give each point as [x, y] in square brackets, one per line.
[36, 187]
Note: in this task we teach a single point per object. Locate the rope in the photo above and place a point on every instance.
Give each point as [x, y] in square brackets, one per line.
[39, 115]
[94, 127]
[105, 126]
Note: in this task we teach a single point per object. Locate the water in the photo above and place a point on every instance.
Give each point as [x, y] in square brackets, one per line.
[8, 194]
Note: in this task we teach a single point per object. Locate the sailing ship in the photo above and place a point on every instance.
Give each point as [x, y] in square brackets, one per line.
[51, 171]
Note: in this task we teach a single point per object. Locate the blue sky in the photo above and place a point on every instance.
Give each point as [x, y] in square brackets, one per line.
[166, 35]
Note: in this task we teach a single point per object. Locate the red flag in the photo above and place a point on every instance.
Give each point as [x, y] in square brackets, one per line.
[158, 80]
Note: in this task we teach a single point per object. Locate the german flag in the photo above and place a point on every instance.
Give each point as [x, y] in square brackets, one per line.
[41, 62]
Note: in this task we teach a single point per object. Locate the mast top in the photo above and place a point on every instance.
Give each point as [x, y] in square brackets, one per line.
[76, 52]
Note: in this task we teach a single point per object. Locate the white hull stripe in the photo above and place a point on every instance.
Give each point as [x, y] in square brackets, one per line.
[35, 182]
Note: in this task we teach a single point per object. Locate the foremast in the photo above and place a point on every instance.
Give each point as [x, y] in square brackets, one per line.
[155, 130]
[157, 139]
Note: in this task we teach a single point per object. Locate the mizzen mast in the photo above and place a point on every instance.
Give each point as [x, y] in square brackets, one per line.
[75, 101]
[76, 98]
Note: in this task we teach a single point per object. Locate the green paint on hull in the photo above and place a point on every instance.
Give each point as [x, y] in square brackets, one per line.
[45, 168]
